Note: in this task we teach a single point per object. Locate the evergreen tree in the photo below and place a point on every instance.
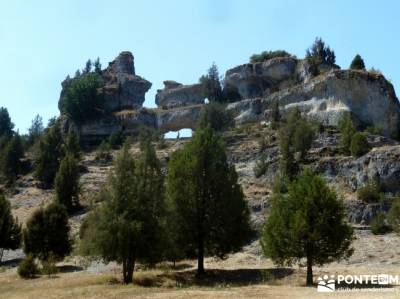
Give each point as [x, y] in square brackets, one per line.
[67, 183]
[357, 63]
[10, 230]
[347, 131]
[295, 136]
[97, 65]
[211, 85]
[208, 203]
[217, 116]
[72, 145]
[359, 145]
[77, 74]
[127, 226]
[10, 164]
[6, 126]
[320, 53]
[81, 100]
[47, 233]
[88, 67]
[275, 115]
[48, 156]
[36, 130]
[307, 222]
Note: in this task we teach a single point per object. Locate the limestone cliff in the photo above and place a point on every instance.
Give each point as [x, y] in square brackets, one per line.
[322, 92]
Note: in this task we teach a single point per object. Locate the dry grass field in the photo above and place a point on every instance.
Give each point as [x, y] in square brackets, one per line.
[242, 275]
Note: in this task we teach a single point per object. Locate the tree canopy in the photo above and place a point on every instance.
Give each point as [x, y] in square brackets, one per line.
[320, 53]
[357, 63]
[10, 230]
[211, 85]
[6, 126]
[47, 233]
[307, 222]
[127, 226]
[206, 199]
[81, 100]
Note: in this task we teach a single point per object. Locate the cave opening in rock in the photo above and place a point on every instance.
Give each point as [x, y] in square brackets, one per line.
[182, 133]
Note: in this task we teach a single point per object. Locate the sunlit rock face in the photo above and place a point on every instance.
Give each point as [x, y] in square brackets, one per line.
[123, 88]
[322, 92]
[368, 97]
[176, 94]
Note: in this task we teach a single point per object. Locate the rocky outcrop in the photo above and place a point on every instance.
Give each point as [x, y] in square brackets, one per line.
[368, 97]
[176, 94]
[261, 79]
[123, 89]
[130, 122]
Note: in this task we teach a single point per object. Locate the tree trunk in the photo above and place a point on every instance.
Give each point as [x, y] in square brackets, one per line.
[200, 257]
[1, 254]
[130, 268]
[124, 270]
[309, 269]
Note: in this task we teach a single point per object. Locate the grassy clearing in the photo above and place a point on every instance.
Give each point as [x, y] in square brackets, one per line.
[161, 283]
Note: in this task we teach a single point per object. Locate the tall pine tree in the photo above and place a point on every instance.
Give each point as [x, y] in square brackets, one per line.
[127, 226]
[207, 200]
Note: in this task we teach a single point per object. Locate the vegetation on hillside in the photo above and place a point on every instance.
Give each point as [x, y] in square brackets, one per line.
[357, 63]
[81, 100]
[10, 229]
[127, 226]
[266, 55]
[320, 53]
[307, 222]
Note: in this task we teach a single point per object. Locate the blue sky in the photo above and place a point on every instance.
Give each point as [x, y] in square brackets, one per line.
[44, 40]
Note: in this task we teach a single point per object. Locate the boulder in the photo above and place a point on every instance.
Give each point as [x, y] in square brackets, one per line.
[176, 94]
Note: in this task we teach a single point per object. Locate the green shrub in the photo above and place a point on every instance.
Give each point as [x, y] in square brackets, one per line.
[379, 225]
[266, 55]
[81, 100]
[359, 145]
[347, 130]
[116, 140]
[369, 193]
[357, 63]
[103, 152]
[393, 216]
[215, 114]
[49, 266]
[261, 167]
[27, 268]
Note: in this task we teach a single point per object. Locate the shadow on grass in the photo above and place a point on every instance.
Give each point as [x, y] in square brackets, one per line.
[235, 277]
[69, 268]
[11, 263]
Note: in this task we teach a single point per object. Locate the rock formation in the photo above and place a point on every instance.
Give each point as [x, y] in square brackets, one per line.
[123, 89]
[175, 94]
[322, 92]
[368, 97]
